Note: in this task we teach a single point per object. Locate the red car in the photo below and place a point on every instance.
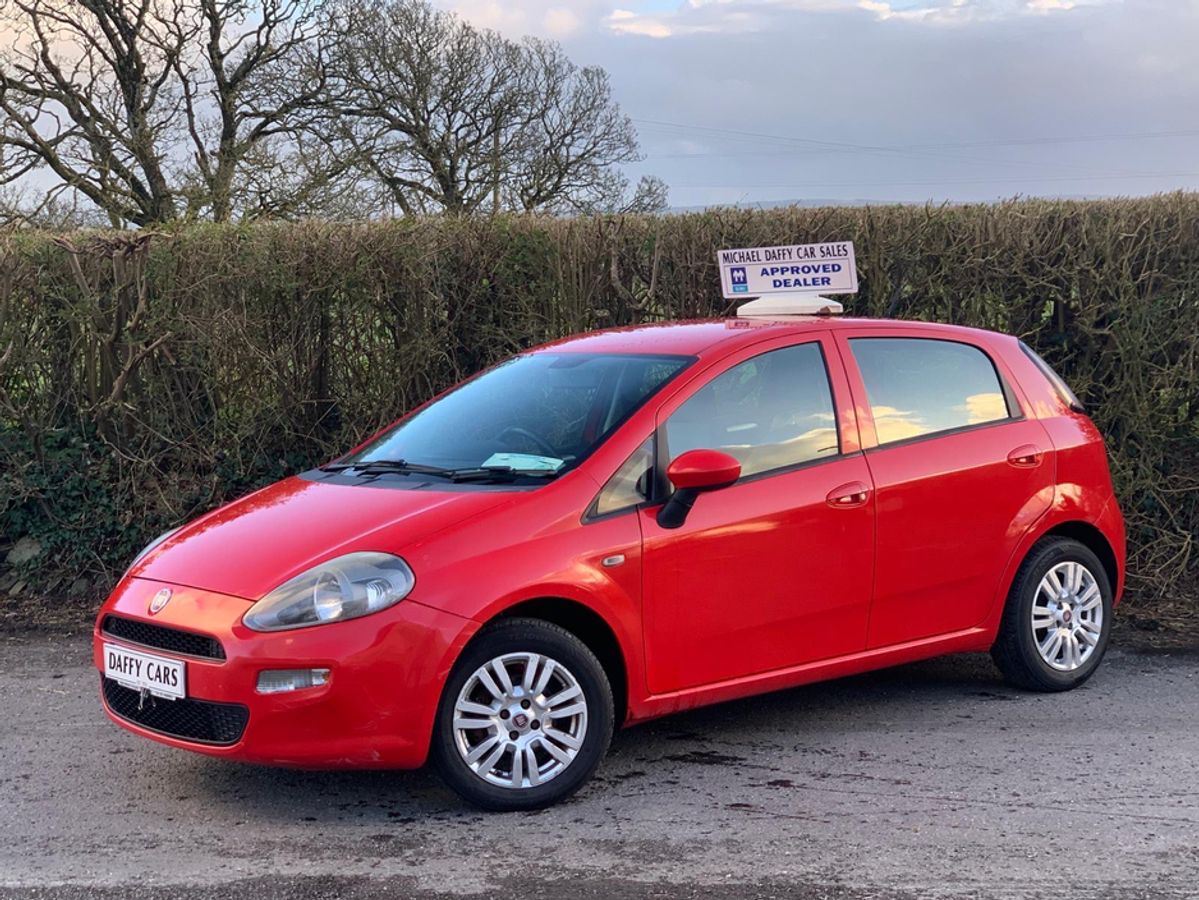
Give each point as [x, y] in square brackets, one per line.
[621, 525]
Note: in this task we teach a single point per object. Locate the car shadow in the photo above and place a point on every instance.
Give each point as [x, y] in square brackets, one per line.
[829, 708]
[698, 736]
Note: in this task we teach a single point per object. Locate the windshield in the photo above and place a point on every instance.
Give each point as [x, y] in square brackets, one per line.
[539, 413]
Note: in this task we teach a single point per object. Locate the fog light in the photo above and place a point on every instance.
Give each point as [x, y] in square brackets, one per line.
[277, 681]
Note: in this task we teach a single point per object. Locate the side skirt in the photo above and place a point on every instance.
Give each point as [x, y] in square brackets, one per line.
[970, 639]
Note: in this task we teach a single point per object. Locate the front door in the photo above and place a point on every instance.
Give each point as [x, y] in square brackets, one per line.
[776, 570]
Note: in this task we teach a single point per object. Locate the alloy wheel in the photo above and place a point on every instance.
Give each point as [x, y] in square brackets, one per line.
[1067, 616]
[520, 720]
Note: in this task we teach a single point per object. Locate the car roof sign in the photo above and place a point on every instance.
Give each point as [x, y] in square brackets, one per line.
[792, 276]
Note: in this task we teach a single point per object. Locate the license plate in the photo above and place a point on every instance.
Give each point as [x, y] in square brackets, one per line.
[162, 677]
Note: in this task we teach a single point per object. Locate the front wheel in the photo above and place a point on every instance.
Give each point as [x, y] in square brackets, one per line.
[525, 717]
[1058, 618]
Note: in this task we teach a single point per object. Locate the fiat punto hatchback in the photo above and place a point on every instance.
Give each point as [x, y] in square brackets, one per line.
[621, 525]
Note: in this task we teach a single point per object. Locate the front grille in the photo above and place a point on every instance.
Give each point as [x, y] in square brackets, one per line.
[162, 638]
[201, 721]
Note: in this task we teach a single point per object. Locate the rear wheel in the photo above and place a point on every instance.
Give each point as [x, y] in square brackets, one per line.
[525, 717]
[1057, 620]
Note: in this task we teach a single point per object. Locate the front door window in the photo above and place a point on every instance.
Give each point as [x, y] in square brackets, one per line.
[770, 412]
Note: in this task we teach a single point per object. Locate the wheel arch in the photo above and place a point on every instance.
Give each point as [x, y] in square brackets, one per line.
[589, 627]
[1069, 525]
[1095, 541]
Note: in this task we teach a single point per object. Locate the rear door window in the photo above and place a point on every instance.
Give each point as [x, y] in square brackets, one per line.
[922, 386]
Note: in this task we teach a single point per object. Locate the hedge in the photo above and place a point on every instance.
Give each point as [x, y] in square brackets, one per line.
[147, 377]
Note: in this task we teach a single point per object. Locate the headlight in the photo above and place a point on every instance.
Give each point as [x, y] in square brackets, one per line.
[347, 587]
[150, 546]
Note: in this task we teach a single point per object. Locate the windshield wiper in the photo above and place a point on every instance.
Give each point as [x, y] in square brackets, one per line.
[498, 473]
[476, 474]
[381, 466]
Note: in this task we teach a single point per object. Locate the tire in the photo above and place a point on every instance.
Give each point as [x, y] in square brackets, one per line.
[476, 693]
[1036, 653]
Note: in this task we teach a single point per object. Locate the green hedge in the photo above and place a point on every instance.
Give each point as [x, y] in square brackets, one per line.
[148, 377]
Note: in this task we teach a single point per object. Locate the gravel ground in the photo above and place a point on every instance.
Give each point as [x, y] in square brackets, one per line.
[932, 780]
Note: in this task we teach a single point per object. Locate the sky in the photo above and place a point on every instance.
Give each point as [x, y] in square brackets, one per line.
[747, 101]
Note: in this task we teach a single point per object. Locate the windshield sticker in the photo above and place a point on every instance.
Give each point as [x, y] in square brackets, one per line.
[524, 462]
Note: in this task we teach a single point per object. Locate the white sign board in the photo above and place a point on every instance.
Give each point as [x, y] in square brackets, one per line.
[793, 269]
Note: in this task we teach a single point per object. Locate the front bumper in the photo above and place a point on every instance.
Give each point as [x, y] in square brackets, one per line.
[377, 710]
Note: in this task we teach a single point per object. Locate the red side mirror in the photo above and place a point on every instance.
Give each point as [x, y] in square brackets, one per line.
[703, 470]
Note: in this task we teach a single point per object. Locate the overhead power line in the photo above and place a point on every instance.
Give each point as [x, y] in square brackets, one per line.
[819, 147]
[903, 148]
[943, 183]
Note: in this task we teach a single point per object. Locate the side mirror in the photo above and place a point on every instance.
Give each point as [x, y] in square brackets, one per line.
[693, 473]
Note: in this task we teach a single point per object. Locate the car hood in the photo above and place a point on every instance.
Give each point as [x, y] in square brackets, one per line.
[251, 546]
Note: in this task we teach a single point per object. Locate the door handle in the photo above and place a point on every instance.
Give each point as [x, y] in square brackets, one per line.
[1026, 456]
[849, 495]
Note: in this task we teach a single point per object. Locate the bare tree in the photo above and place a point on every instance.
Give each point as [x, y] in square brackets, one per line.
[651, 195]
[153, 109]
[446, 117]
[83, 87]
[259, 74]
[572, 137]
[53, 210]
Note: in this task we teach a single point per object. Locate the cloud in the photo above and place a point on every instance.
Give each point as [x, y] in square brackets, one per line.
[624, 21]
[980, 408]
[710, 16]
[722, 16]
[556, 19]
[836, 100]
[560, 21]
[891, 424]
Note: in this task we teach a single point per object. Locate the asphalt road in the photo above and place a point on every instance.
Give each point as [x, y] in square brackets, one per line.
[933, 780]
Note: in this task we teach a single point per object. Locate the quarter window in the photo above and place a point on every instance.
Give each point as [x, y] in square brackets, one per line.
[1059, 384]
[921, 386]
[770, 412]
[631, 484]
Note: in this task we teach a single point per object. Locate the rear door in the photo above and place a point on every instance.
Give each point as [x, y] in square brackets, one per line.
[776, 570]
[960, 473]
